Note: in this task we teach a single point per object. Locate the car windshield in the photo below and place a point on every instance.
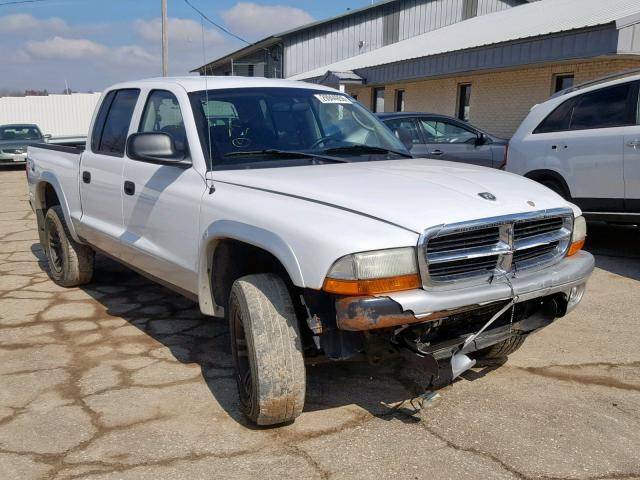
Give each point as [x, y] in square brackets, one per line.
[20, 132]
[254, 125]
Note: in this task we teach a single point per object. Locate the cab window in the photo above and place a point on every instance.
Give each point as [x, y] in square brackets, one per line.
[112, 125]
[162, 114]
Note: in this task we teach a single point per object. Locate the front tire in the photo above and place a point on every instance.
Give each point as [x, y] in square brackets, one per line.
[267, 350]
[501, 349]
[70, 263]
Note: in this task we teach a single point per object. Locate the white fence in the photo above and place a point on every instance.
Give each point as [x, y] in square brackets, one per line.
[54, 114]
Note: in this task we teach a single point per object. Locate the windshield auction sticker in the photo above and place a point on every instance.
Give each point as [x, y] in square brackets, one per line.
[331, 98]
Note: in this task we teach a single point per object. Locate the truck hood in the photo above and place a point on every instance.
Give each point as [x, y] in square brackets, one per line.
[414, 194]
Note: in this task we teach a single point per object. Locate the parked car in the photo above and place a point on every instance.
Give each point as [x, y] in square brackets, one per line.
[294, 212]
[447, 138]
[584, 144]
[14, 140]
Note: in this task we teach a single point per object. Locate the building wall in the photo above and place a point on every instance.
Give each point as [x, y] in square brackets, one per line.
[314, 47]
[499, 100]
[56, 115]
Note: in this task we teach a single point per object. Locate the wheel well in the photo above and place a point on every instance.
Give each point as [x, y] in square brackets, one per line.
[540, 175]
[233, 259]
[49, 197]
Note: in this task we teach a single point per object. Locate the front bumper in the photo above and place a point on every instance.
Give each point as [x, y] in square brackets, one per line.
[13, 159]
[416, 306]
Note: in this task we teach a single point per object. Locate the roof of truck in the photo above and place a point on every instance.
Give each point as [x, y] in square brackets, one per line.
[196, 83]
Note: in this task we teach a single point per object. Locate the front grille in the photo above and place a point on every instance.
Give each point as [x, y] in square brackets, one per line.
[14, 151]
[479, 250]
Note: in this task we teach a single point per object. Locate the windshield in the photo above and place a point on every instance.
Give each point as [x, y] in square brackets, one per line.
[20, 132]
[238, 124]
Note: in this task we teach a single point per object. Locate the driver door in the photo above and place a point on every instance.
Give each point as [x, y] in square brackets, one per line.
[451, 141]
[161, 203]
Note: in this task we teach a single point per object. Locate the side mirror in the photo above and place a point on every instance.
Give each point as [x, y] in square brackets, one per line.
[154, 147]
[47, 137]
[404, 134]
[481, 139]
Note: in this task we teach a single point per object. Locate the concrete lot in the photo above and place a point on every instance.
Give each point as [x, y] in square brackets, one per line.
[125, 380]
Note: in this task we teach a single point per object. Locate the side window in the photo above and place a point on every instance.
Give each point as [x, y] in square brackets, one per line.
[559, 119]
[96, 135]
[116, 124]
[444, 132]
[162, 114]
[604, 108]
[608, 107]
[409, 124]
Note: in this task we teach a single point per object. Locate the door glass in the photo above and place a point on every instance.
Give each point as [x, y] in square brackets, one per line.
[407, 123]
[607, 107]
[445, 132]
[162, 114]
[116, 125]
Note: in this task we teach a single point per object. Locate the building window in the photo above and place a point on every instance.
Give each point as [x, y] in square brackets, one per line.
[562, 82]
[399, 100]
[469, 9]
[354, 96]
[464, 101]
[250, 70]
[378, 99]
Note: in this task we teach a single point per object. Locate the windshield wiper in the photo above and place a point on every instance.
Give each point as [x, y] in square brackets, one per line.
[284, 154]
[365, 149]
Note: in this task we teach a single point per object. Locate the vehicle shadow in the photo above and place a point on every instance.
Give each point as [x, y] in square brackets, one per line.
[616, 248]
[391, 390]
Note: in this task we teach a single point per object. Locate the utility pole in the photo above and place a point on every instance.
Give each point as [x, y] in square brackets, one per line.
[165, 40]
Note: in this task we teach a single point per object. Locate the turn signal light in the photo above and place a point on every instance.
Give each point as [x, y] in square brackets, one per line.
[371, 287]
[575, 247]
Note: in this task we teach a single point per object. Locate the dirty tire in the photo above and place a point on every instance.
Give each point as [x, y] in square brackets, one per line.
[501, 349]
[266, 347]
[70, 263]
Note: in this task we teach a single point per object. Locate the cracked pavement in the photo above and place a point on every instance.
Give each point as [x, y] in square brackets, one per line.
[123, 379]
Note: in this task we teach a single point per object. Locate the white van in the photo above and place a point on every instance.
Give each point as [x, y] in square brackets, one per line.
[584, 143]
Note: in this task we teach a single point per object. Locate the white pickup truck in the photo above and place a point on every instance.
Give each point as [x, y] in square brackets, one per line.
[295, 213]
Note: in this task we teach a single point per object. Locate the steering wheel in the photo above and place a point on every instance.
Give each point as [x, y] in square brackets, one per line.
[325, 139]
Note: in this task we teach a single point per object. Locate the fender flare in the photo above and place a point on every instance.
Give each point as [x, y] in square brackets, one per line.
[48, 177]
[536, 175]
[250, 234]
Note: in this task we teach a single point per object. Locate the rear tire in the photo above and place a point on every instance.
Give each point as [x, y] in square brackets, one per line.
[502, 349]
[70, 263]
[267, 350]
[554, 185]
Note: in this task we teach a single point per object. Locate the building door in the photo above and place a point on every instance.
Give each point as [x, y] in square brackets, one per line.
[101, 171]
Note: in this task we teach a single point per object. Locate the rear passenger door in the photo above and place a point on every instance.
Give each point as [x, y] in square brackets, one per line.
[632, 162]
[161, 203]
[101, 171]
[419, 148]
[583, 139]
[446, 140]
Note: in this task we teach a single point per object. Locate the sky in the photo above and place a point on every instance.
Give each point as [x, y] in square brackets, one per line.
[92, 44]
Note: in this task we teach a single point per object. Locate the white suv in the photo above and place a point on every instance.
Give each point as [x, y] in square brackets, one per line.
[584, 143]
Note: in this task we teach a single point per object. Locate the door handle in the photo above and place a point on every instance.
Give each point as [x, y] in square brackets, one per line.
[86, 177]
[633, 143]
[436, 152]
[129, 187]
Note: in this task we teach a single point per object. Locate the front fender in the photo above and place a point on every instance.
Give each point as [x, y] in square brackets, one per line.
[250, 234]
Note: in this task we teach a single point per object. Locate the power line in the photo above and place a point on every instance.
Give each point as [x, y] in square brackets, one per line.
[18, 2]
[210, 21]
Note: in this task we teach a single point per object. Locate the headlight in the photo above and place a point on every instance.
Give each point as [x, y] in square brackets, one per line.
[379, 271]
[578, 236]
